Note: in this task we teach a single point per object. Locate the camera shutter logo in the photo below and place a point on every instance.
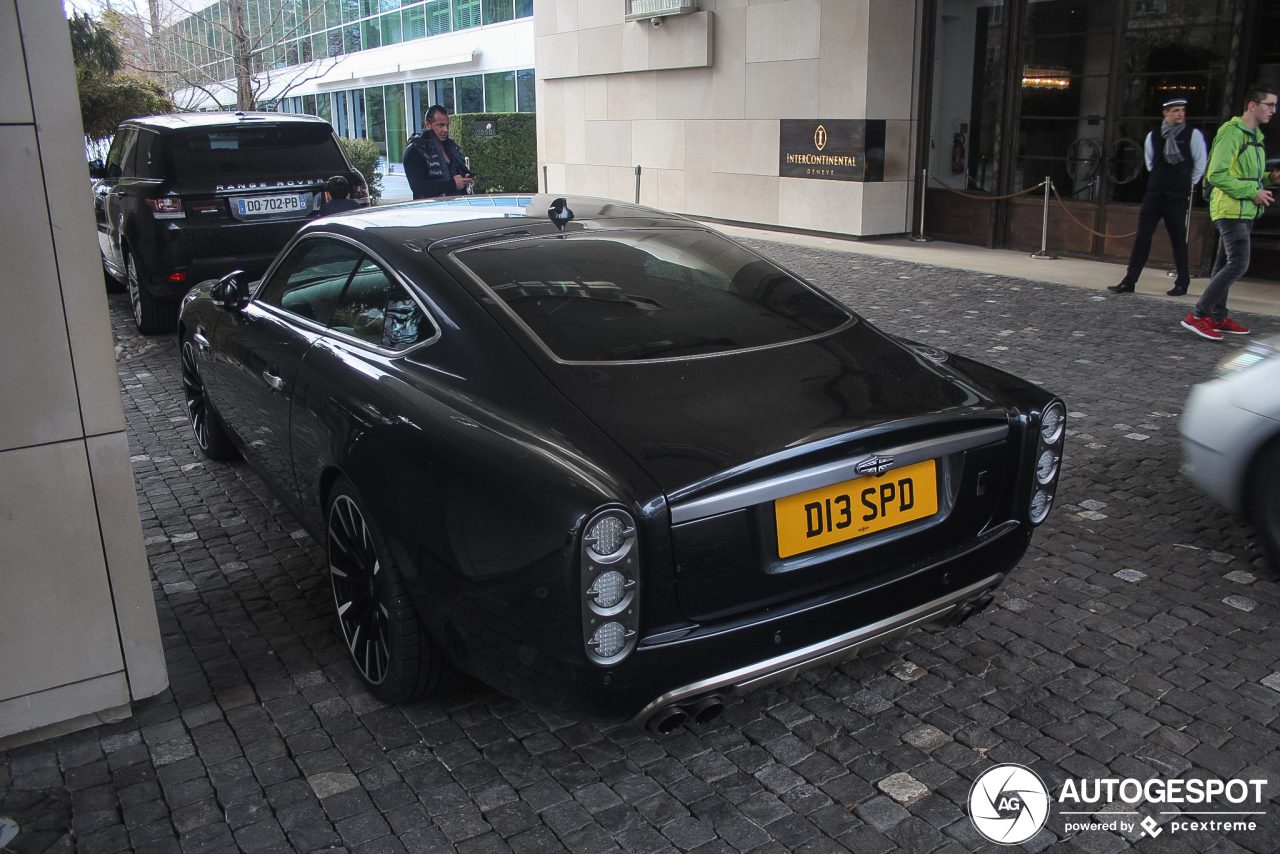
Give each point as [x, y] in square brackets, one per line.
[1008, 804]
[820, 137]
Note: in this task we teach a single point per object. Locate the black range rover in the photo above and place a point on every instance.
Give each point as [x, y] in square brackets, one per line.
[191, 196]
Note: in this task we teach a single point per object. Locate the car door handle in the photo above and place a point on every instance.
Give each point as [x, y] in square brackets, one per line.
[274, 381]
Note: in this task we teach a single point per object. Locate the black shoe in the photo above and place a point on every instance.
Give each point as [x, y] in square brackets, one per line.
[1122, 288]
[1178, 290]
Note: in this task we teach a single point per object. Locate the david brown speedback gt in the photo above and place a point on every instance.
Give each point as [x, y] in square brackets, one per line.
[603, 457]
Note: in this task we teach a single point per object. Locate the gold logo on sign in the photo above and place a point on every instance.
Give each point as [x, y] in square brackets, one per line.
[820, 137]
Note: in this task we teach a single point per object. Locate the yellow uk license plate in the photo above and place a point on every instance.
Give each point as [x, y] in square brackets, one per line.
[855, 508]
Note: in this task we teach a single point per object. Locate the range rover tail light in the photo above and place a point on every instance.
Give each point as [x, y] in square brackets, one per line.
[1050, 435]
[169, 207]
[610, 561]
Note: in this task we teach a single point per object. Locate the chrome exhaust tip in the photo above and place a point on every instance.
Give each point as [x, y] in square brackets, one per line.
[707, 709]
[667, 720]
[965, 610]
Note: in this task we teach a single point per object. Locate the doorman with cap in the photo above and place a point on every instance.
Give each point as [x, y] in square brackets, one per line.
[1176, 161]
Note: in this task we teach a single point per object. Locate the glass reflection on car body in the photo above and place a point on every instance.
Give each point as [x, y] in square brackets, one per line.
[641, 296]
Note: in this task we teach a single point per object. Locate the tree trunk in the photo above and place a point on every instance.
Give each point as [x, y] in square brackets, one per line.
[153, 37]
[241, 56]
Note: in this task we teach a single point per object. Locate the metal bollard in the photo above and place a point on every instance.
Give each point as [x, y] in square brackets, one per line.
[1043, 254]
[637, 183]
[546, 186]
[924, 185]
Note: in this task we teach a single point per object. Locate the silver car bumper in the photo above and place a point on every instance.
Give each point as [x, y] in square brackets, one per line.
[784, 668]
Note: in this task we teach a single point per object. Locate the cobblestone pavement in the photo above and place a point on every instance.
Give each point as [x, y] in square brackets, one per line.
[1136, 640]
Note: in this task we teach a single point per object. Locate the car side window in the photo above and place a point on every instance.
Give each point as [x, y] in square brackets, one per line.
[311, 278]
[149, 160]
[121, 151]
[377, 309]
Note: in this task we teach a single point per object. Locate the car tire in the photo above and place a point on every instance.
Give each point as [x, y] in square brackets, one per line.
[394, 656]
[1263, 502]
[151, 315]
[207, 427]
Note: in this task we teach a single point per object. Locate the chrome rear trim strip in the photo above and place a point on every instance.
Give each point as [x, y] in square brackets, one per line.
[831, 473]
[832, 650]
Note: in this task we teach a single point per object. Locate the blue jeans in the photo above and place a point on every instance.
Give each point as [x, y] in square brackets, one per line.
[1232, 261]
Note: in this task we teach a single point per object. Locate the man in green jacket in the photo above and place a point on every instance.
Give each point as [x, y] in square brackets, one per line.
[1238, 173]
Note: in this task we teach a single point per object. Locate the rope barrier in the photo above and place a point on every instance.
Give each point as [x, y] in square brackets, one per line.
[1082, 225]
[985, 197]
[1032, 190]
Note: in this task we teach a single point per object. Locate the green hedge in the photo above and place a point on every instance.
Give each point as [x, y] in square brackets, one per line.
[507, 162]
[364, 155]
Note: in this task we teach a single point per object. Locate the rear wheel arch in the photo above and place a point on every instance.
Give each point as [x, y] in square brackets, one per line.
[391, 650]
[152, 315]
[328, 478]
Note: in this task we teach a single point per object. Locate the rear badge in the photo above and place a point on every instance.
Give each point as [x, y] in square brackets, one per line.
[874, 465]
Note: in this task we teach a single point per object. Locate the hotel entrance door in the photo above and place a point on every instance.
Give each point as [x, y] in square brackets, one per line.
[1067, 89]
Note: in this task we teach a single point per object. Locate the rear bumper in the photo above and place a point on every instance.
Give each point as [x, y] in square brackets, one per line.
[758, 649]
[784, 668]
[209, 251]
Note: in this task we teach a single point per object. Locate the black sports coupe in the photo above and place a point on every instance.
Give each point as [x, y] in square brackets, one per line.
[605, 458]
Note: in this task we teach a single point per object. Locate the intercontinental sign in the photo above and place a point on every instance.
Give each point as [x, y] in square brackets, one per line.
[832, 149]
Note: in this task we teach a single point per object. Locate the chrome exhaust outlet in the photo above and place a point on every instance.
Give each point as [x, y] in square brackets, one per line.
[667, 720]
[707, 709]
[965, 610]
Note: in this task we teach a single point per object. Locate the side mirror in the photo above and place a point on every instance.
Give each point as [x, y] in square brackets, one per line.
[230, 293]
[97, 169]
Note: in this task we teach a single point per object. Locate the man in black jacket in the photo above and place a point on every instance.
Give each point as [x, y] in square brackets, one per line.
[433, 162]
[1176, 162]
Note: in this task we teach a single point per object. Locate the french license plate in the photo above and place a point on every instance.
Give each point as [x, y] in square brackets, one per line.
[260, 205]
[855, 508]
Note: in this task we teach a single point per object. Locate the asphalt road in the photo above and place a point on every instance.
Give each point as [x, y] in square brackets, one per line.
[1137, 640]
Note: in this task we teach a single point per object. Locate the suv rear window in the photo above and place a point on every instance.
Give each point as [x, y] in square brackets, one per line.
[644, 295]
[257, 150]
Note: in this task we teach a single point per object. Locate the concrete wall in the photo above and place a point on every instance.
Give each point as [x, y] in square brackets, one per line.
[78, 625]
[697, 103]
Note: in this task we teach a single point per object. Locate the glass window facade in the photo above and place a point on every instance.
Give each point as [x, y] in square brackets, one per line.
[304, 30]
[1021, 90]
[389, 115]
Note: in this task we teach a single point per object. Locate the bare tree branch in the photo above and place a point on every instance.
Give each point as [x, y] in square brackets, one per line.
[226, 53]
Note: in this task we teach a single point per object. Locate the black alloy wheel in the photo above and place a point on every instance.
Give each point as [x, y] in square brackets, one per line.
[395, 658]
[1263, 502]
[152, 316]
[205, 423]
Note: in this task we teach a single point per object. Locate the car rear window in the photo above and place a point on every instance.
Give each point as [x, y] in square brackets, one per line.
[257, 151]
[645, 295]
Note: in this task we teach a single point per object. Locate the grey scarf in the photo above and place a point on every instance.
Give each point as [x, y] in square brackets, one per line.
[1172, 155]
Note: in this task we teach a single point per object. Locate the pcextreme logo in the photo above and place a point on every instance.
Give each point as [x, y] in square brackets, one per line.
[1009, 804]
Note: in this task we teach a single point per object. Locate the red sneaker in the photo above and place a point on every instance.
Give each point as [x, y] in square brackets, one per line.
[1231, 326]
[1202, 326]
